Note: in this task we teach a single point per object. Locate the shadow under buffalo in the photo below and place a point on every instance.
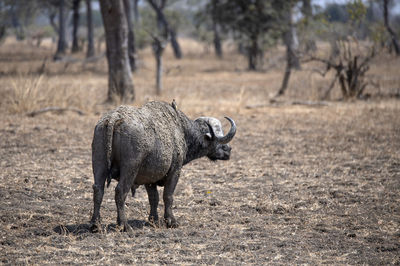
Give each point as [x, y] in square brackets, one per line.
[80, 229]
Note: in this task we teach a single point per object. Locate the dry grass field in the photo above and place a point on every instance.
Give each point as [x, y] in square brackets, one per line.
[306, 184]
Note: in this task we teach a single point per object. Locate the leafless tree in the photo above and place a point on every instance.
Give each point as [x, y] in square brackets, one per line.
[350, 67]
[164, 27]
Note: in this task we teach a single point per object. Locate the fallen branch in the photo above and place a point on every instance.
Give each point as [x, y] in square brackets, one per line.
[274, 102]
[254, 106]
[54, 109]
[312, 103]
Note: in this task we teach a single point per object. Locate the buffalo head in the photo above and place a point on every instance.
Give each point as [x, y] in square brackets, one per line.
[215, 142]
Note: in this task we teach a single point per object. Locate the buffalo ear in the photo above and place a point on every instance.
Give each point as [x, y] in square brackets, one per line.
[208, 136]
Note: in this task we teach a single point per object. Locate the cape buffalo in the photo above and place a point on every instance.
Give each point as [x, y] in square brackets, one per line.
[148, 146]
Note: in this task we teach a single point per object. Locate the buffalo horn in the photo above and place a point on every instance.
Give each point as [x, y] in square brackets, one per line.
[228, 137]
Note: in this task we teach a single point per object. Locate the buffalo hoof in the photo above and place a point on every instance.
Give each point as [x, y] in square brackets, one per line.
[96, 228]
[171, 223]
[128, 228]
[125, 228]
[154, 221]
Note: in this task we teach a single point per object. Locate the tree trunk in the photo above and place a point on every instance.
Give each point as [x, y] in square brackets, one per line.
[253, 53]
[286, 77]
[2, 32]
[131, 36]
[217, 39]
[52, 16]
[158, 49]
[175, 44]
[136, 11]
[291, 41]
[90, 46]
[19, 29]
[159, 74]
[306, 10]
[291, 50]
[120, 84]
[292, 61]
[389, 29]
[62, 44]
[162, 24]
[75, 42]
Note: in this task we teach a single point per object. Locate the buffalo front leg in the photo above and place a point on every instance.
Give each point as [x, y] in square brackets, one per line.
[168, 198]
[152, 193]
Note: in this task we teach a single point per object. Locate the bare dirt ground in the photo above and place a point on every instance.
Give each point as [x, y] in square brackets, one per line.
[305, 184]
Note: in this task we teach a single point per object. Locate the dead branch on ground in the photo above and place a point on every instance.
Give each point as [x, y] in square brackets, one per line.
[274, 102]
[54, 109]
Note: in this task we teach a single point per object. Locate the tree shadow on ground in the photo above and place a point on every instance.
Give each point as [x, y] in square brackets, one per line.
[80, 229]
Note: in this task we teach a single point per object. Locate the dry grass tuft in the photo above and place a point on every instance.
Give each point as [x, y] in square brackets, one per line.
[26, 93]
[29, 92]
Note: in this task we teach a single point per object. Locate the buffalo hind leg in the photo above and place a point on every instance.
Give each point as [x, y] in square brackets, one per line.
[100, 174]
[98, 192]
[125, 183]
[152, 193]
[168, 198]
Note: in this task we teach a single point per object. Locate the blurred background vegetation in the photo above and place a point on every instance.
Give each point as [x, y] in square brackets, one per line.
[32, 20]
[341, 36]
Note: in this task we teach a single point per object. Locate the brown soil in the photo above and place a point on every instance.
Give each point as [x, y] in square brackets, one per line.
[305, 185]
